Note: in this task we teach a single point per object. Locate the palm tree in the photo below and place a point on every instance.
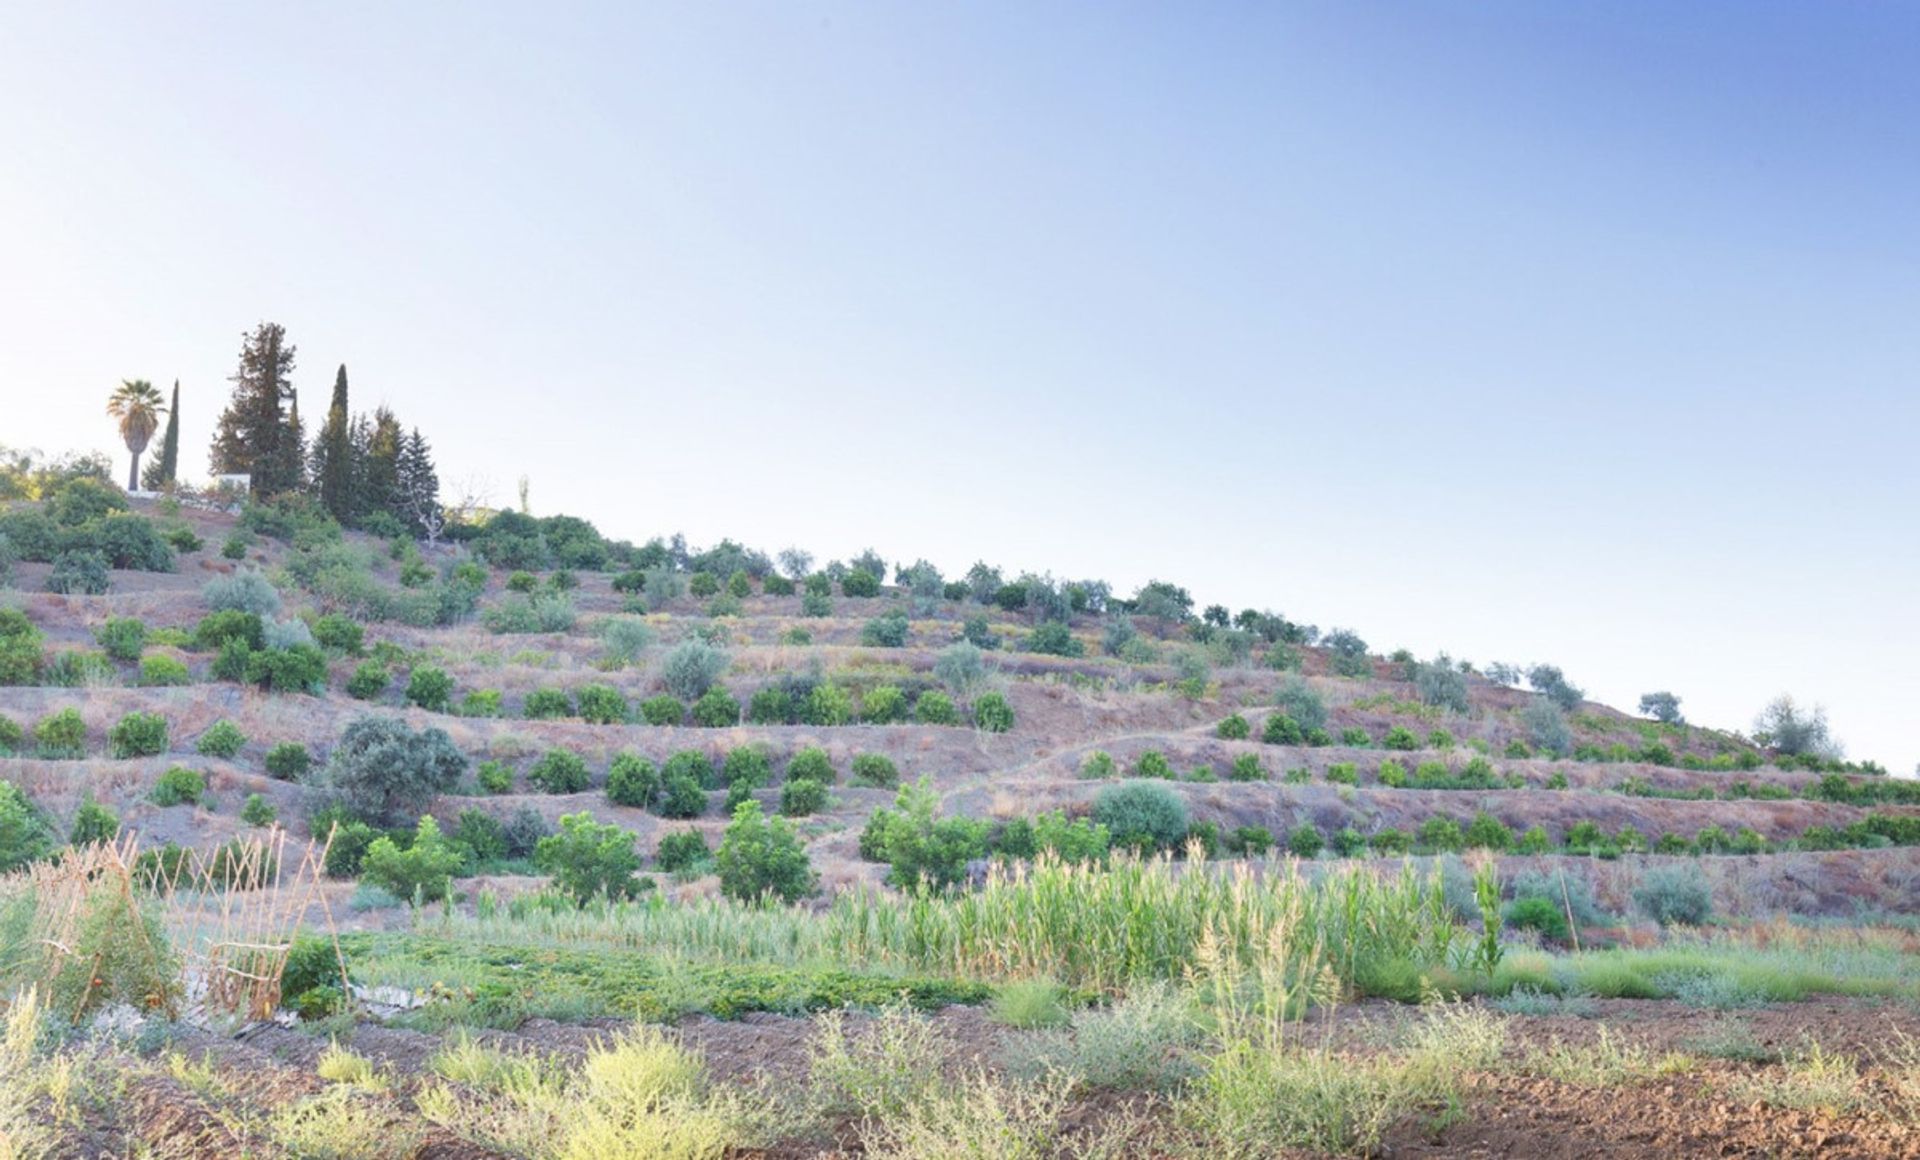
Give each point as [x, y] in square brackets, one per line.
[137, 405]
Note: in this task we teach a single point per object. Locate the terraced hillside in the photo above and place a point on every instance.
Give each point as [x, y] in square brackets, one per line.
[1150, 841]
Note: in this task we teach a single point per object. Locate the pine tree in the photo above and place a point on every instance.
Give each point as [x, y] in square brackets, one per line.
[420, 489]
[165, 467]
[360, 445]
[333, 467]
[249, 434]
[382, 483]
[290, 459]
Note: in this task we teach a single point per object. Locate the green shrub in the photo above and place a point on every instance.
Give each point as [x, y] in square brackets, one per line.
[992, 714]
[481, 703]
[1442, 834]
[1343, 773]
[480, 838]
[245, 591]
[681, 796]
[559, 771]
[92, 823]
[288, 761]
[13, 739]
[716, 709]
[682, 850]
[258, 811]
[122, 637]
[546, 704]
[1305, 841]
[632, 780]
[531, 614]
[812, 763]
[1355, 737]
[25, 835]
[494, 777]
[1674, 895]
[222, 739]
[422, 872]
[760, 858]
[300, 669]
[1099, 764]
[138, 735]
[1537, 914]
[1546, 726]
[1349, 842]
[216, 629]
[61, 735]
[178, 786]
[919, 849]
[800, 797]
[79, 573]
[747, 766]
[1141, 814]
[859, 583]
[1054, 639]
[160, 670]
[1246, 767]
[235, 546]
[20, 648]
[828, 705]
[884, 704]
[1297, 699]
[770, 706]
[602, 705]
[589, 860]
[1234, 728]
[1533, 841]
[875, 770]
[1401, 738]
[1487, 832]
[1154, 764]
[889, 630]
[1391, 842]
[694, 765]
[368, 681]
[340, 634]
[1252, 841]
[662, 710]
[1281, 729]
[935, 708]
[382, 772]
[430, 688]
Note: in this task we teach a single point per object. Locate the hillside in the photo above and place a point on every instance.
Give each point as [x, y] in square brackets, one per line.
[1269, 750]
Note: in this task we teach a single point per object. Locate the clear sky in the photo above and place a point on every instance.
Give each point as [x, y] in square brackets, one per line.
[1565, 332]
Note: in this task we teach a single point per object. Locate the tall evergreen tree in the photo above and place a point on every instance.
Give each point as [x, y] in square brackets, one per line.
[381, 486]
[165, 468]
[419, 488]
[250, 433]
[333, 467]
[290, 459]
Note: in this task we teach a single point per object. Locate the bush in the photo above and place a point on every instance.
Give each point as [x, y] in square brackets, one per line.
[747, 766]
[61, 735]
[162, 670]
[1305, 841]
[1401, 739]
[25, 835]
[888, 630]
[524, 583]
[1054, 639]
[178, 786]
[1246, 767]
[1141, 814]
[1252, 841]
[935, 708]
[662, 710]
[559, 771]
[216, 629]
[1154, 764]
[828, 705]
[602, 705]
[860, 583]
[288, 761]
[300, 669]
[1674, 895]
[1350, 658]
[1281, 729]
[632, 780]
[589, 860]
[258, 811]
[383, 772]
[422, 872]
[760, 858]
[20, 648]
[235, 546]
[1537, 914]
[992, 714]
[960, 667]
[1487, 832]
[800, 797]
[341, 634]
[716, 709]
[122, 638]
[694, 766]
[222, 739]
[681, 796]
[811, 763]
[1098, 764]
[494, 777]
[1546, 726]
[1442, 834]
[883, 705]
[79, 574]
[12, 737]
[1439, 684]
[92, 823]
[770, 706]
[1391, 842]
[1234, 728]
[875, 770]
[480, 838]
[691, 668]
[546, 704]
[430, 688]
[682, 850]
[816, 604]
[368, 681]
[244, 591]
[138, 735]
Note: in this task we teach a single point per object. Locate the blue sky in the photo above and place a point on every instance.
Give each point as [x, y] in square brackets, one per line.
[1577, 333]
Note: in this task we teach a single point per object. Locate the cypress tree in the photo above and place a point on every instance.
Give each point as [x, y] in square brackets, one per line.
[333, 455]
[165, 468]
[250, 433]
